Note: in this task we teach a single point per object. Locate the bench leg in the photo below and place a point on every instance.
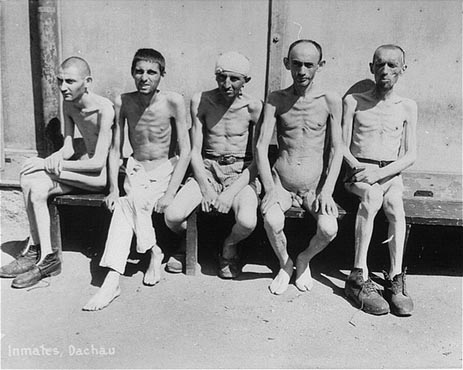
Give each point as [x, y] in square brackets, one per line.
[192, 245]
[55, 229]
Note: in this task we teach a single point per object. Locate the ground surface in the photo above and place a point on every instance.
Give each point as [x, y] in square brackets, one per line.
[205, 322]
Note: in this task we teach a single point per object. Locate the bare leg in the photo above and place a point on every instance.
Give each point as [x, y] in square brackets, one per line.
[153, 273]
[371, 199]
[38, 187]
[274, 221]
[245, 208]
[327, 227]
[109, 291]
[26, 189]
[394, 210]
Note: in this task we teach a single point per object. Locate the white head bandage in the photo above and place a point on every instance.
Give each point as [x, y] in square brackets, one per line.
[233, 61]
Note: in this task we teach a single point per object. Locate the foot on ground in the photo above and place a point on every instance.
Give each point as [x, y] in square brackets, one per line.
[281, 281]
[105, 295]
[304, 281]
[153, 273]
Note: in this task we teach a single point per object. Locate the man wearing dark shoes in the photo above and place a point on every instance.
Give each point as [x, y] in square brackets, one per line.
[379, 133]
[63, 171]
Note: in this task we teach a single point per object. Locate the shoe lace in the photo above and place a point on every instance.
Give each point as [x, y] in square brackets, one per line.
[368, 287]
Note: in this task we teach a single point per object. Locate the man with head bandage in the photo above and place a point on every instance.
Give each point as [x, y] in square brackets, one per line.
[223, 122]
[233, 62]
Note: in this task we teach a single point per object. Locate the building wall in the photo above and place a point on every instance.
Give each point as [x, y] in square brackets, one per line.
[430, 33]
[191, 33]
[17, 100]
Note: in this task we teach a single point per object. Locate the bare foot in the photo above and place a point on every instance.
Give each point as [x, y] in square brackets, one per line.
[281, 281]
[153, 273]
[304, 281]
[107, 293]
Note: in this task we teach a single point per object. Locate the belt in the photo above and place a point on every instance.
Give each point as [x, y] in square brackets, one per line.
[373, 161]
[227, 158]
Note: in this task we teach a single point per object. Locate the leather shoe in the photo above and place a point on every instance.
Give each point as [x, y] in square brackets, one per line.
[50, 266]
[365, 294]
[396, 294]
[22, 264]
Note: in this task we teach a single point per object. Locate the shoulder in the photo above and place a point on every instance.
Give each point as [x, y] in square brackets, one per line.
[106, 106]
[173, 97]
[332, 97]
[409, 103]
[254, 105]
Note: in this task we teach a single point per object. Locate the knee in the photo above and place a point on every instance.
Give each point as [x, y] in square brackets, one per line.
[173, 216]
[274, 222]
[373, 200]
[38, 194]
[393, 207]
[327, 228]
[26, 181]
[247, 220]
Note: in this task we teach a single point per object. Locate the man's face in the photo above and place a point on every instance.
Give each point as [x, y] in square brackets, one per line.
[303, 62]
[147, 76]
[230, 83]
[387, 66]
[71, 83]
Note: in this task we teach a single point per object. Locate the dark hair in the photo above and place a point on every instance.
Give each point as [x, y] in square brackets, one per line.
[392, 47]
[149, 55]
[314, 43]
[80, 63]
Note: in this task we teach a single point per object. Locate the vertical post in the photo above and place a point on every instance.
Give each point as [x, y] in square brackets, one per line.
[278, 18]
[191, 258]
[44, 49]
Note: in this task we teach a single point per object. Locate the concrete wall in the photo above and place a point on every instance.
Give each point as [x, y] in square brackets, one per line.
[189, 33]
[430, 33]
[18, 108]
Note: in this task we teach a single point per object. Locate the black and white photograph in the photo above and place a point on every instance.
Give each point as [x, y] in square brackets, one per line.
[231, 184]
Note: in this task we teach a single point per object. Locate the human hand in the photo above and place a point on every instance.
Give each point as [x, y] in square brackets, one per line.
[369, 175]
[224, 202]
[32, 165]
[325, 204]
[163, 203]
[110, 200]
[269, 200]
[54, 163]
[209, 199]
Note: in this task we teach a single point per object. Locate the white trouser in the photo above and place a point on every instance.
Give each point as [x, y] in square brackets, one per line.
[132, 213]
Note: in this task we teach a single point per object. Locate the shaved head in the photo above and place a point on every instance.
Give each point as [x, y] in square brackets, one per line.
[390, 47]
[80, 64]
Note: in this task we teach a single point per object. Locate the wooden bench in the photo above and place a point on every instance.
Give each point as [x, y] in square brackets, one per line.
[443, 208]
[429, 199]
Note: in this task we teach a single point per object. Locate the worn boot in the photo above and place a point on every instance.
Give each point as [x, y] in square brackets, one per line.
[25, 262]
[364, 294]
[396, 294]
[50, 266]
